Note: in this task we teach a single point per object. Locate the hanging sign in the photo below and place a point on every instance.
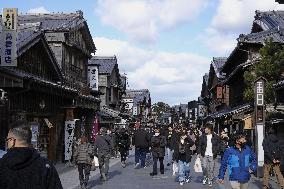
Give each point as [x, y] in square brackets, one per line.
[69, 137]
[93, 72]
[8, 45]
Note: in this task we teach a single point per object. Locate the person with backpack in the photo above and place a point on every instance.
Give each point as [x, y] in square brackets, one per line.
[103, 146]
[182, 155]
[83, 154]
[272, 158]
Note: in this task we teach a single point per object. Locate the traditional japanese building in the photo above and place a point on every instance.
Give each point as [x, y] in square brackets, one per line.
[49, 85]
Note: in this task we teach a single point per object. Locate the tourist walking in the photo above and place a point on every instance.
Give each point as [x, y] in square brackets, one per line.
[169, 147]
[103, 146]
[22, 167]
[272, 159]
[182, 155]
[141, 142]
[208, 149]
[123, 145]
[83, 155]
[158, 144]
[241, 162]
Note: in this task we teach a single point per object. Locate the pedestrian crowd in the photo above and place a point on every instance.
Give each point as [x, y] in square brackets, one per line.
[172, 146]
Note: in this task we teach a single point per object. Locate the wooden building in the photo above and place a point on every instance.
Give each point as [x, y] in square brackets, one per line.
[51, 78]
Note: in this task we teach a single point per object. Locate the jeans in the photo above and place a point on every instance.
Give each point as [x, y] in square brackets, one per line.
[208, 164]
[84, 173]
[277, 172]
[140, 154]
[155, 168]
[237, 185]
[104, 163]
[183, 171]
[169, 155]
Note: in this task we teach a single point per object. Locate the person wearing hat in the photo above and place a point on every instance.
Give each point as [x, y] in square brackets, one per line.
[158, 144]
[241, 162]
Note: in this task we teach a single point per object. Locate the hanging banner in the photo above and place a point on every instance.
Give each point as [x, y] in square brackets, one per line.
[35, 132]
[93, 72]
[95, 129]
[69, 137]
[8, 45]
[219, 92]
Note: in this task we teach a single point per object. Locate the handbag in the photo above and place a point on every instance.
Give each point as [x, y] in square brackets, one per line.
[197, 166]
[95, 163]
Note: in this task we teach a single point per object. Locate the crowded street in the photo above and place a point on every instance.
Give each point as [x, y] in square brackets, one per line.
[142, 94]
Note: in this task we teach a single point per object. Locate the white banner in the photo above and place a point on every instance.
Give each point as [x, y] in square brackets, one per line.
[93, 72]
[9, 48]
[69, 137]
[260, 151]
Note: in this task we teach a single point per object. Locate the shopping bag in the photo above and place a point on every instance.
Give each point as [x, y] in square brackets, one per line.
[95, 163]
[197, 166]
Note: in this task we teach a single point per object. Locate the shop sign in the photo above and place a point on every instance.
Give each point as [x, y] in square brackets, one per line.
[219, 92]
[93, 72]
[69, 137]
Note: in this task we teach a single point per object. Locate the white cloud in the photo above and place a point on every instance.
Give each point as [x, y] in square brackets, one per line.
[143, 20]
[232, 18]
[38, 10]
[170, 77]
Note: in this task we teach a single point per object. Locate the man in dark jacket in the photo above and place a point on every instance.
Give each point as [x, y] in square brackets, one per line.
[272, 157]
[103, 146]
[22, 167]
[182, 155]
[208, 149]
[158, 144]
[123, 145]
[141, 142]
[169, 148]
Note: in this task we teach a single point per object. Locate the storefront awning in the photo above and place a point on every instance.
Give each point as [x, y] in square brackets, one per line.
[231, 111]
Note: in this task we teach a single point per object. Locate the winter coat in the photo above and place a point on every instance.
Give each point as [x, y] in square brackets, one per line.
[271, 147]
[103, 145]
[123, 141]
[216, 145]
[158, 144]
[182, 152]
[193, 138]
[238, 163]
[84, 153]
[141, 139]
[169, 138]
[22, 168]
[174, 140]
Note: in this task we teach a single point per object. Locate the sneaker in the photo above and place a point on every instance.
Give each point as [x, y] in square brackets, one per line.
[210, 183]
[136, 166]
[181, 183]
[204, 181]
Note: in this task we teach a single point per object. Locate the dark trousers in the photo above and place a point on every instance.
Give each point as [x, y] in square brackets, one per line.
[123, 153]
[104, 164]
[155, 161]
[84, 173]
[140, 154]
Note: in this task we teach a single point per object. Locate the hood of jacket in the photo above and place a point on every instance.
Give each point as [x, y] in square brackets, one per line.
[19, 158]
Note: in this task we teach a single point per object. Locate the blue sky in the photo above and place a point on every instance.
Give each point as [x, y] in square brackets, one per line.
[163, 45]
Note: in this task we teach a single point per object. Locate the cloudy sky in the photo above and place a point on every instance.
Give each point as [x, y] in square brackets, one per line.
[163, 45]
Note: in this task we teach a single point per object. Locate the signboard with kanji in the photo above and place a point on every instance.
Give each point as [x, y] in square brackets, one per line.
[93, 72]
[9, 18]
[219, 92]
[8, 46]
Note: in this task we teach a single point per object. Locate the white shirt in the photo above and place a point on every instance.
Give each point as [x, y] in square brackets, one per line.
[209, 151]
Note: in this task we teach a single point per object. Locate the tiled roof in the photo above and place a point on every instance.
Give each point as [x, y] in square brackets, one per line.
[133, 93]
[57, 22]
[276, 34]
[107, 64]
[218, 63]
[270, 19]
[231, 111]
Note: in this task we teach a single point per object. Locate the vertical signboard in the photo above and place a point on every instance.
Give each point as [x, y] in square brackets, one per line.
[219, 92]
[93, 72]
[9, 37]
[69, 136]
[259, 122]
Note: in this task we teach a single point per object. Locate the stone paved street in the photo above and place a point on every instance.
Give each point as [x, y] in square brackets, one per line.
[130, 178]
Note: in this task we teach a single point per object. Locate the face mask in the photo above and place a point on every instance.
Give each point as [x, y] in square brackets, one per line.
[182, 141]
[157, 134]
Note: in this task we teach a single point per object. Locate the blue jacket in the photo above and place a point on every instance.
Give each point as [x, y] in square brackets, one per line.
[238, 163]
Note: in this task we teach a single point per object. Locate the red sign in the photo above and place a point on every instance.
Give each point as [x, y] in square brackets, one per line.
[219, 92]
